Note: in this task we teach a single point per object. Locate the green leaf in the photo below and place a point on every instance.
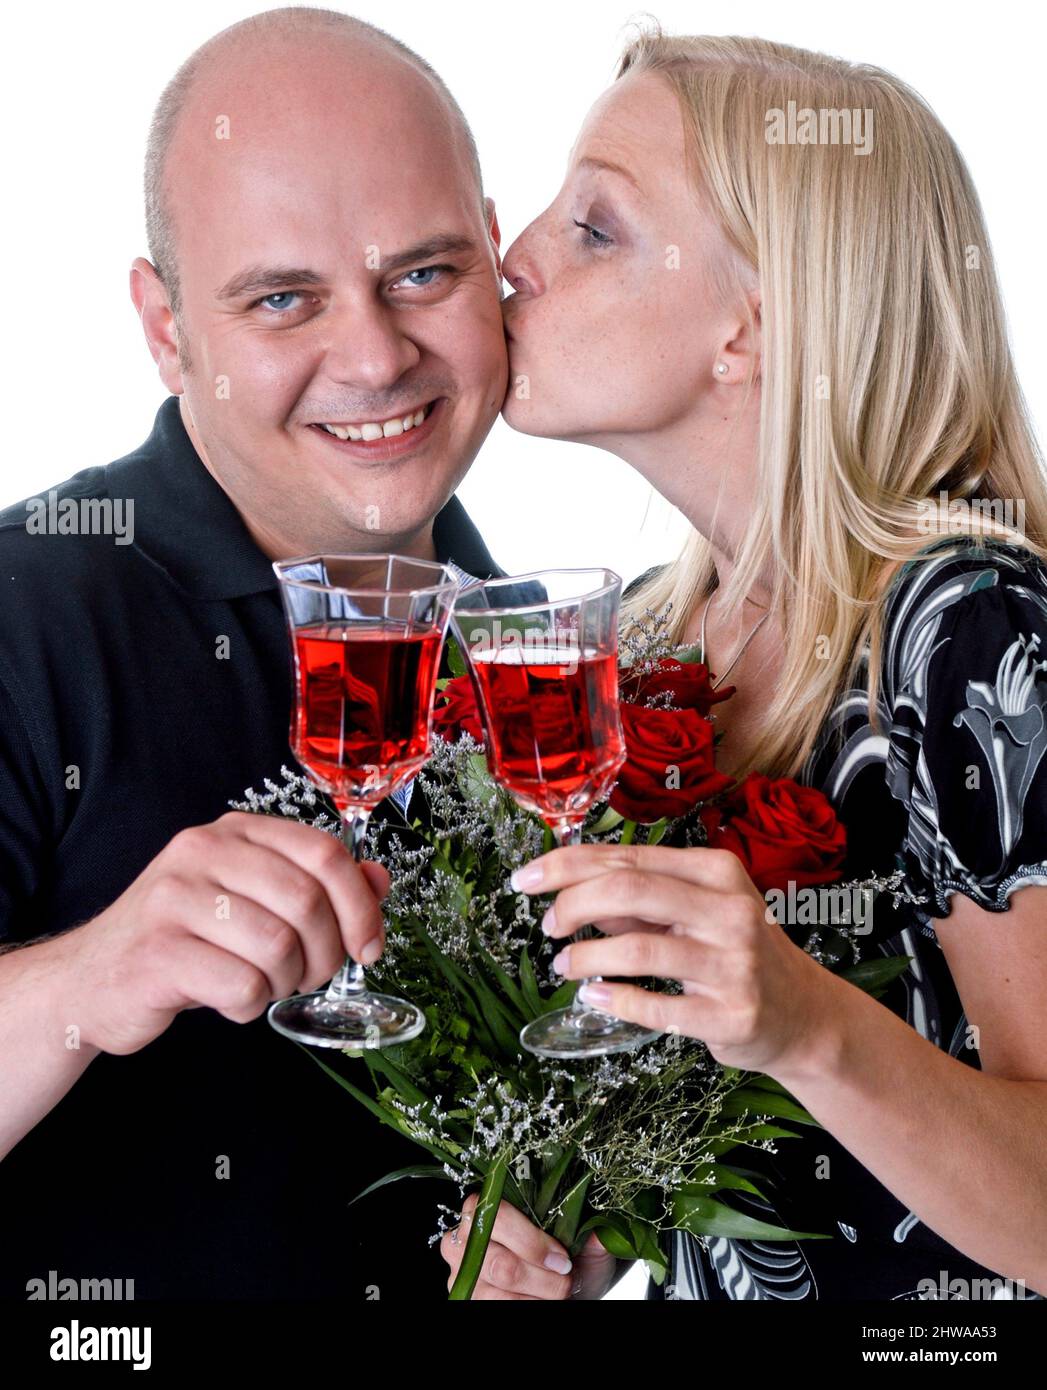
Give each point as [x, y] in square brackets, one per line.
[614, 1232]
[420, 1170]
[756, 1102]
[529, 986]
[688, 656]
[480, 1229]
[657, 830]
[607, 821]
[563, 996]
[508, 984]
[566, 1226]
[646, 1242]
[875, 975]
[377, 1110]
[455, 660]
[704, 1216]
[378, 1061]
[552, 1180]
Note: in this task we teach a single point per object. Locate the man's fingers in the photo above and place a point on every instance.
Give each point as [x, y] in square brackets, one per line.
[348, 888]
[286, 891]
[195, 972]
[248, 929]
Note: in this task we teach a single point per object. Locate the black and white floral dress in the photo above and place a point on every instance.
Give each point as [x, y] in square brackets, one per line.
[954, 791]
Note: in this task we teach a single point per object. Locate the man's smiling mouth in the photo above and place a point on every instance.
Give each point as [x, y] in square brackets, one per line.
[369, 430]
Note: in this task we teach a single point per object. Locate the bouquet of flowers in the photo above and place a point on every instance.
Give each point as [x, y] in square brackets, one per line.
[629, 1145]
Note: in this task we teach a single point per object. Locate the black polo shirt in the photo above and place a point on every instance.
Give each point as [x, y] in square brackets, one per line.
[120, 724]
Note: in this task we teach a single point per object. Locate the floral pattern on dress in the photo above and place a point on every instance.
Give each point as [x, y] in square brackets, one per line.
[952, 789]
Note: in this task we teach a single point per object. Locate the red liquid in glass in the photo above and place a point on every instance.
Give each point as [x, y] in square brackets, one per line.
[555, 739]
[365, 696]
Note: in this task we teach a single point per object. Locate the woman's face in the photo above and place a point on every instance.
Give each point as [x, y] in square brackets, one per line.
[613, 331]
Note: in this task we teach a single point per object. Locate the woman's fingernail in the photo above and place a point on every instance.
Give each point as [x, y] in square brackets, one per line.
[560, 1263]
[562, 961]
[549, 921]
[526, 877]
[371, 951]
[593, 994]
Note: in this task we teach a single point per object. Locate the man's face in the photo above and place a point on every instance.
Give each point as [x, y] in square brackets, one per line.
[337, 269]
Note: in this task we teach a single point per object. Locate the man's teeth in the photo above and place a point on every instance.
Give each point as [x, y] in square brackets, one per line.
[399, 425]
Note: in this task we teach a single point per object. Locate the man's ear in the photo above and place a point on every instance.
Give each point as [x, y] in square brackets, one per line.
[158, 323]
[494, 232]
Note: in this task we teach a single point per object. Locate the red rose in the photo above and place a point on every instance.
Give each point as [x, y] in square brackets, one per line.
[781, 831]
[669, 763]
[688, 683]
[456, 713]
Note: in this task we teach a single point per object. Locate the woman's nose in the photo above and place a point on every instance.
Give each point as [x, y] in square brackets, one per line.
[519, 270]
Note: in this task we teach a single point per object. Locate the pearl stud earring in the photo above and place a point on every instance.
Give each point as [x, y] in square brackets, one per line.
[721, 367]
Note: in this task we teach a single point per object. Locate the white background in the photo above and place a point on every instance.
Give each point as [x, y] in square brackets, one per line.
[79, 86]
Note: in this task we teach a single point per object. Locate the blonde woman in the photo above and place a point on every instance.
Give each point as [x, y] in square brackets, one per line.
[802, 346]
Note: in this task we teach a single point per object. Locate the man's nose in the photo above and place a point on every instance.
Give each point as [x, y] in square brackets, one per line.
[369, 346]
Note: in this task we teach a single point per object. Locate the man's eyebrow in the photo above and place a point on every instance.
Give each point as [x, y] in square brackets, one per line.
[443, 244]
[608, 166]
[271, 278]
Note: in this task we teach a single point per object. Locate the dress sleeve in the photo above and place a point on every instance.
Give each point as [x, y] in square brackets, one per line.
[969, 735]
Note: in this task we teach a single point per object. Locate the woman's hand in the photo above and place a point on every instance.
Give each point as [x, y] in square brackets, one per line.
[522, 1262]
[692, 915]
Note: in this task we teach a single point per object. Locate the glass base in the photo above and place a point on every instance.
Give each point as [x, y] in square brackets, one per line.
[582, 1033]
[365, 1021]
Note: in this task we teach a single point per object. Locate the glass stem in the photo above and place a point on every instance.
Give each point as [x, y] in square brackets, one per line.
[570, 833]
[349, 982]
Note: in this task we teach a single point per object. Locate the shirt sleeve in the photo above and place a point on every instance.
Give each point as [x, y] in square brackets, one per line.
[969, 739]
[23, 821]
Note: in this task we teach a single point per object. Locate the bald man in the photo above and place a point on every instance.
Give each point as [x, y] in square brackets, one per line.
[323, 305]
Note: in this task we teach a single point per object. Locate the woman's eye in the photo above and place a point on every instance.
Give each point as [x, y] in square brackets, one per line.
[593, 236]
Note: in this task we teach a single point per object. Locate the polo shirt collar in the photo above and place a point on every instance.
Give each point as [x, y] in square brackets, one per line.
[187, 524]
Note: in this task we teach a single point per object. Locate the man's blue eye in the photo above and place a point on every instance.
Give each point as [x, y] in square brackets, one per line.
[283, 295]
[423, 270]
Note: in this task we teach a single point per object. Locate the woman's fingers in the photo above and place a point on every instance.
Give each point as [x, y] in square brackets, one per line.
[615, 926]
[663, 955]
[653, 898]
[715, 868]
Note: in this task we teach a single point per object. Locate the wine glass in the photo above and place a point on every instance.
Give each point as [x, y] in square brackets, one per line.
[543, 653]
[366, 634]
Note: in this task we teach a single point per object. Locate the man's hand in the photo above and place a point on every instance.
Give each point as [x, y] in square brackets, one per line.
[522, 1262]
[230, 916]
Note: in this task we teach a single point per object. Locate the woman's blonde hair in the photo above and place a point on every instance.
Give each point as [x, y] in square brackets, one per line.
[886, 376]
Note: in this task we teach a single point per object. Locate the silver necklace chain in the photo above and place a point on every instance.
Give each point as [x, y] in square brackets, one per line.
[705, 613]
